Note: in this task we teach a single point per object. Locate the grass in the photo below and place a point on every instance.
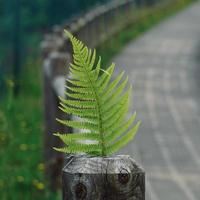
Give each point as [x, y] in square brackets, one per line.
[21, 127]
[21, 118]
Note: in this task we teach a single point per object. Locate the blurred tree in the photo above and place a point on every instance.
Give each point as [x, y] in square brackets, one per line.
[36, 16]
[17, 45]
[2, 83]
[39, 14]
[58, 10]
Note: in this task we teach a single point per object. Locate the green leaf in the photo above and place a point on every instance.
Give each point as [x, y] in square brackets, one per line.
[113, 85]
[80, 90]
[100, 102]
[86, 97]
[93, 149]
[120, 129]
[79, 124]
[78, 83]
[105, 77]
[123, 140]
[70, 138]
[77, 103]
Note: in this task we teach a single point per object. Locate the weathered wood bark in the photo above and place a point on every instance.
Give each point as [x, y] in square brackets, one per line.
[103, 178]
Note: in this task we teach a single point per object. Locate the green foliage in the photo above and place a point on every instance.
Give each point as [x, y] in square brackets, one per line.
[99, 103]
[21, 139]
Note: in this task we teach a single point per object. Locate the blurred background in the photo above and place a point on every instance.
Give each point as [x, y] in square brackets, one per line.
[25, 22]
[30, 35]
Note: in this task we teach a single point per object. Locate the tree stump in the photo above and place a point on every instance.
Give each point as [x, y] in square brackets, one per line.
[103, 178]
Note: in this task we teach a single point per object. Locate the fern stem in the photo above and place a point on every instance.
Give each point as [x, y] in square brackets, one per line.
[102, 144]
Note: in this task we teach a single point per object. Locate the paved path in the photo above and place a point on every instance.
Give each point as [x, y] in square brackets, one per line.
[164, 68]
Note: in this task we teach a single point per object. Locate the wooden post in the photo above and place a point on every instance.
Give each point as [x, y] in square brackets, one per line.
[92, 27]
[55, 70]
[103, 178]
[100, 25]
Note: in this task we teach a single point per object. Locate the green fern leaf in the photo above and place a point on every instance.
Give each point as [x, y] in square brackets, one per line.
[83, 113]
[93, 149]
[120, 129]
[123, 140]
[79, 124]
[78, 83]
[70, 138]
[113, 85]
[101, 105]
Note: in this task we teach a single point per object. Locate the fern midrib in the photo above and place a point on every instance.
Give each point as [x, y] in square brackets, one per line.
[97, 102]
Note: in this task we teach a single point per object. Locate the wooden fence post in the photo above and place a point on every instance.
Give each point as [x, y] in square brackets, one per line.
[55, 70]
[103, 178]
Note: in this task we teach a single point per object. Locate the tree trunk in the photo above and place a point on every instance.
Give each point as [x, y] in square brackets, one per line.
[103, 178]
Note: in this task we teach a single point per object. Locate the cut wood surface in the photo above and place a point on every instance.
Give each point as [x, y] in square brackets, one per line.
[98, 178]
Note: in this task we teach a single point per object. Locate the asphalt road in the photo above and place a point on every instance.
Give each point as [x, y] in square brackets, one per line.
[164, 67]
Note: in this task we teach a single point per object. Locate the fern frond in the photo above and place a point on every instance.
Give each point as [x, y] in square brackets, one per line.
[93, 149]
[77, 103]
[78, 83]
[70, 138]
[92, 61]
[116, 117]
[115, 93]
[106, 76]
[100, 103]
[82, 113]
[123, 140]
[80, 90]
[84, 97]
[79, 124]
[111, 103]
[120, 129]
[113, 85]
